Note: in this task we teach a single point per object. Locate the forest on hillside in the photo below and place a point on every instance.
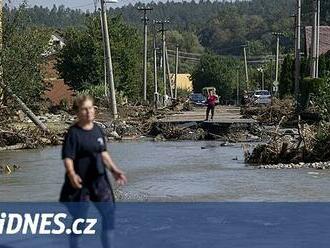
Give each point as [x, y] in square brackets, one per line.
[219, 26]
[212, 32]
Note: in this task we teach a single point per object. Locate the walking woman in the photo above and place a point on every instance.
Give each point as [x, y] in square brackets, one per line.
[85, 157]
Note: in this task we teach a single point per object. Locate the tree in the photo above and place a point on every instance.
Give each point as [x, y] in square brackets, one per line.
[80, 63]
[286, 86]
[324, 65]
[21, 57]
[219, 72]
[221, 26]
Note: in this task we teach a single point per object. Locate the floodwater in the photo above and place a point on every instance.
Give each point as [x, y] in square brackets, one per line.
[169, 171]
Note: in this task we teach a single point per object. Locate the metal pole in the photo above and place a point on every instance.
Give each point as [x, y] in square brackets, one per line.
[145, 58]
[317, 39]
[277, 56]
[156, 98]
[163, 58]
[169, 73]
[314, 41]
[262, 80]
[145, 32]
[109, 61]
[276, 83]
[106, 86]
[298, 51]
[176, 72]
[163, 53]
[246, 69]
[237, 88]
[271, 70]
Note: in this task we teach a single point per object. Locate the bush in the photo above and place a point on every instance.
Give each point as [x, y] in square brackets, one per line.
[309, 86]
[323, 99]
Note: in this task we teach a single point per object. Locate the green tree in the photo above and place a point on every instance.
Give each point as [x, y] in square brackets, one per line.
[286, 86]
[21, 56]
[80, 63]
[323, 99]
[217, 71]
[324, 65]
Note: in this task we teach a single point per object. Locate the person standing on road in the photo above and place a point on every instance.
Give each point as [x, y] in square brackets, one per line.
[86, 158]
[211, 101]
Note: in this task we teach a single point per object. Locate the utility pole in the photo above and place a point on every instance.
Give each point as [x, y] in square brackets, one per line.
[246, 68]
[169, 73]
[156, 95]
[317, 38]
[276, 83]
[145, 22]
[271, 70]
[314, 41]
[163, 30]
[106, 85]
[298, 52]
[176, 71]
[262, 79]
[108, 60]
[237, 88]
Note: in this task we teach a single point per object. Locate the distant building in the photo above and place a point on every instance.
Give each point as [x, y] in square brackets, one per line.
[56, 43]
[184, 81]
[57, 91]
[324, 39]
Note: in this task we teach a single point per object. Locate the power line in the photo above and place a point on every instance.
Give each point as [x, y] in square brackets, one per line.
[185, 57]
[194, 54]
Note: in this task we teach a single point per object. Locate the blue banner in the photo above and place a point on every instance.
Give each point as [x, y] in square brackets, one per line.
[164, 225]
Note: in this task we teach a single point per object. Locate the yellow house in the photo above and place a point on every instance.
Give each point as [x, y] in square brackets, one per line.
[183, 81]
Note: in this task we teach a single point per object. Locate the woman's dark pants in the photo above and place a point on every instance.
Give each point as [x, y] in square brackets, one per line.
[209, 108]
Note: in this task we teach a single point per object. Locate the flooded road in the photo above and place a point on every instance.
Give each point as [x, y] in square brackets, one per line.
[169, 171]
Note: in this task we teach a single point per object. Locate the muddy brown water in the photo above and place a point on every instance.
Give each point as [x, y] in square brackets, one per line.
[169, 171]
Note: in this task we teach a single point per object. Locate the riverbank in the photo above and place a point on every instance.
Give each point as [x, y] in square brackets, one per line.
[135, 122]
[279, 144]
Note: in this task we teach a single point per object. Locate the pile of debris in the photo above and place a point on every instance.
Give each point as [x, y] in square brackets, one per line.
[12, 138]
[307, 143]
[8, 168]
[270, 114]
[167, 131]
[301, 165]
[134, 122]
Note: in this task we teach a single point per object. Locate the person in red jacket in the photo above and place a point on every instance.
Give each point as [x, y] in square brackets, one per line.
[211, 102]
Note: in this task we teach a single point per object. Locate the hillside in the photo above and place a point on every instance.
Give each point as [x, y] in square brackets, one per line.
[221, 27]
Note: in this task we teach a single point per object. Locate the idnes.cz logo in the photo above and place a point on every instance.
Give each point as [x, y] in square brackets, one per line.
[44, 223]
